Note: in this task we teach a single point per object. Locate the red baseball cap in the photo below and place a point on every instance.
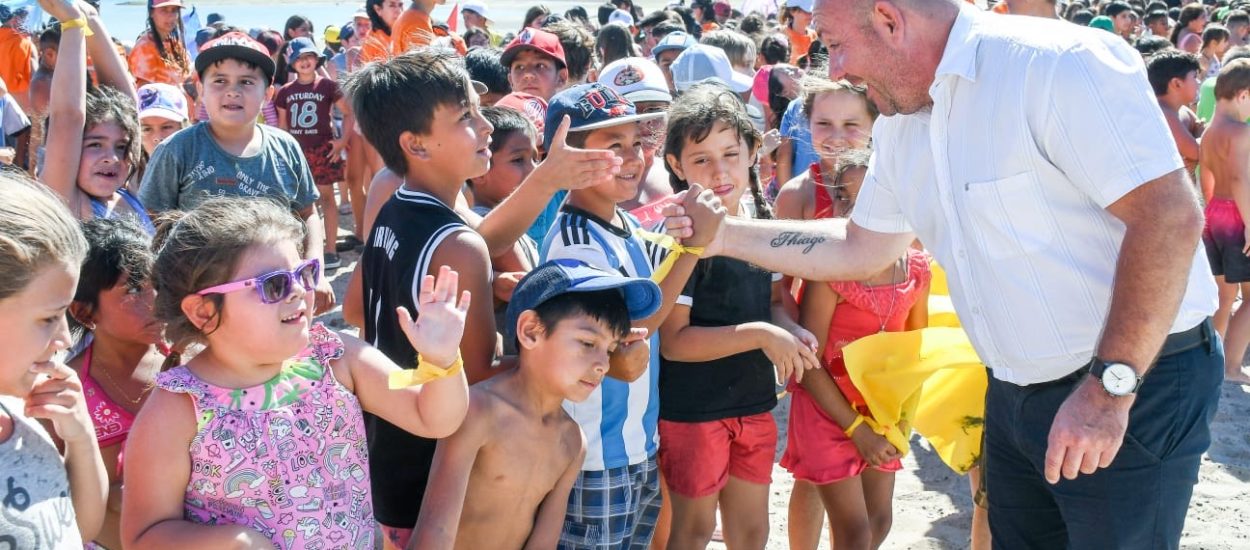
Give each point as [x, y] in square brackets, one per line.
[537, 40]
[235, 45]
[532, 107]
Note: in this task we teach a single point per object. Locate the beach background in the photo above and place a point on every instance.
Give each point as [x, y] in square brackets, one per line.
[932, 505]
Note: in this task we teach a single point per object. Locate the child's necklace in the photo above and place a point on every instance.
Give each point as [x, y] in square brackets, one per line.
[876, 308]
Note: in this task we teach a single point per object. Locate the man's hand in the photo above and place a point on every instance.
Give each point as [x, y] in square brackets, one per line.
[1087, 432]
[697, 220]
[568, 167]
[325, 297]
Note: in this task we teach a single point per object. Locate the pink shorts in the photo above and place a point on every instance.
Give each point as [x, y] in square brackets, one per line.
[697, 458]
[817, 450]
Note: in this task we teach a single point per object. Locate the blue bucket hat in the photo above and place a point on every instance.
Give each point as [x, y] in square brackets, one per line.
[301, 46]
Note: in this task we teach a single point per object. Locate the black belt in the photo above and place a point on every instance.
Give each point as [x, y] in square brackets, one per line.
[1202, 334]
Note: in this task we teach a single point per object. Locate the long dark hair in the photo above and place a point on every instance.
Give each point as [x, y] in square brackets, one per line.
[378, 23]
[178, 53]
[1188, 14]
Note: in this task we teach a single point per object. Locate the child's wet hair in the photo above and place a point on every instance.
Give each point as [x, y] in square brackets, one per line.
[691, 119]
[415, 84]
[1234, 78]
[484, 66]
[606, 306]
[36, 230]
[1162, 67]
[507, 121]
[117, 247]
[105, 104]
[202, 248]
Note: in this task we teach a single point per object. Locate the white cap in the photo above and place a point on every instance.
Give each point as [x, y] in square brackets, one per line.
[361, 12]
[621, 16]
[805, 5]
[476, 6]
[636, 79]
[703, 62]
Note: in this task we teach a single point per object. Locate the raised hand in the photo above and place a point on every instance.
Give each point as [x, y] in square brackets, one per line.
[569, 167]
[62, 10]
[437, 331]
[697, 220]
[57, 397]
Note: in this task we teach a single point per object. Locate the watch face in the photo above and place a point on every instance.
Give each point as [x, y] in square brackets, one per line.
[1119, 379]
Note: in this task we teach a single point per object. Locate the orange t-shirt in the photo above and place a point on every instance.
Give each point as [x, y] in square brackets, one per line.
[799, 43]
[376, 47]
[413, 30]
[146, 64]
[17, 55]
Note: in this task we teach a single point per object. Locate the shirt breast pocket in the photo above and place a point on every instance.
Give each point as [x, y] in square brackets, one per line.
[1008, 216]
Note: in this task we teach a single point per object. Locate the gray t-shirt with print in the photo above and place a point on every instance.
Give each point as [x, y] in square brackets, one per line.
[35, 506]
[190, 167]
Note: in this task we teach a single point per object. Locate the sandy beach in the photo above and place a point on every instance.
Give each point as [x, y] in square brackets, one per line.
[933, 506]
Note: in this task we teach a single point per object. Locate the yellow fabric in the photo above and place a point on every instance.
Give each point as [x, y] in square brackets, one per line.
[929, 380]
[425, 372]
[859, 419]
[80, 23]
[675, 250]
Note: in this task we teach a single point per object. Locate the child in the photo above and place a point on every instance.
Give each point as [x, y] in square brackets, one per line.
[1215, 41]
[304, 106]
[1174, 76]
[535, 62]
[721, 342]
[119, 366]
[796, 20]
[53, 500]
[259, 439]
[413, 29]
[162, 112]
[615, 499]
[566, 318]
[230, 154]
[442, 142]
[93, 138]
[1226, 184]
[827, 444]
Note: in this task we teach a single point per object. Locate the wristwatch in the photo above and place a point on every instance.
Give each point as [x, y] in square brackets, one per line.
[1118, 379]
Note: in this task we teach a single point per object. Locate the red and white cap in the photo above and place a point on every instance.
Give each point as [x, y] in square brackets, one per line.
[153, 4]
[537, 40]
[532, 107]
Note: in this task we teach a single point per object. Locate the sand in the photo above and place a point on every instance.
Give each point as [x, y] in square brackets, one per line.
[933, 505]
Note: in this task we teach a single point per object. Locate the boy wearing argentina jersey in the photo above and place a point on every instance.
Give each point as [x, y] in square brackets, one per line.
[616, 497]
[440, 142]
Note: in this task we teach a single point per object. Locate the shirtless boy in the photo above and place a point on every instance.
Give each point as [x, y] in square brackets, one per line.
[514, 459]
[1174, 76]
[1225, 161]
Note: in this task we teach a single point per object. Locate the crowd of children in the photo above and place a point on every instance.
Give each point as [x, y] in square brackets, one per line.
[537, 366]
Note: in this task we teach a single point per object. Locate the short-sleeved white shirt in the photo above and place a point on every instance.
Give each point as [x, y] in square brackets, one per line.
[1036, 127]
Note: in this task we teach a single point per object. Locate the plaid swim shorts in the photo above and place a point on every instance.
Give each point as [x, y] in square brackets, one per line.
[614, 508]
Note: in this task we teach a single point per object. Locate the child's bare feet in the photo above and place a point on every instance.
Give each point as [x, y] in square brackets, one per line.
[1238, 376]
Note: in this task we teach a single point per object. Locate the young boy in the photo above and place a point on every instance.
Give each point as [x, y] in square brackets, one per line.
[441, 142]
[535, 62]
[642, 82]
[230, 154]
[1174, 76]
[1226, 174]
[304, 109]
[616, 498]
[566, 318]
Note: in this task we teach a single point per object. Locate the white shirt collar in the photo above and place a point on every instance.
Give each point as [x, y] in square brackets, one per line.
[960, 56]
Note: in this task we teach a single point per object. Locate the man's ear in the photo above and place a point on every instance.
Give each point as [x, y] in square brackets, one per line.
[202, 312]
[529, 329]
[887, 19]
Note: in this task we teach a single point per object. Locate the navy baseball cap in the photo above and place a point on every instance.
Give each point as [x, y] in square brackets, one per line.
[589, 107]
[556, 277]
[301, 46]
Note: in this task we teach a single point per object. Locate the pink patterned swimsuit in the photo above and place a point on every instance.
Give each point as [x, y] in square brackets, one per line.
[286, 458]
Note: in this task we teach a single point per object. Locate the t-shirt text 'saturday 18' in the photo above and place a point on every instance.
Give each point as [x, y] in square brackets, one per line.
[190, 168]
[308, 110]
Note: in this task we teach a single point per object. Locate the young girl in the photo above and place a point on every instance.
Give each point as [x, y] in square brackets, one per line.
[721, 342]
[796, 20]
[259, 439]
[1214, 46]
[52, 499]
[828, 444]
[1187, 34]
[114, 302]
[159, 55]
[93, 137]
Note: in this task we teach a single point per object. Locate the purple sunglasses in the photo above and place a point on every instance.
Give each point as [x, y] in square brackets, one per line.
[274, 286]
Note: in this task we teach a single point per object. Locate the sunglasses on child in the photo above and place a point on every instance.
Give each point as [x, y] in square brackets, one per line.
[274, 286]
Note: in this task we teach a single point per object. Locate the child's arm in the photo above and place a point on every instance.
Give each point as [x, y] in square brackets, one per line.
[349, 127]
[821, 301]
[785, 160]
[158, 467]
[465, 252]
[1186, 143]
[57, 398]
[110, 69]
[549, 520]
[434, 409]
[67, 109]
[439, 522]
[1206, 181]
[314, 240]
[1239, 170]
[564, 168]
[284, 117]
[918, 317]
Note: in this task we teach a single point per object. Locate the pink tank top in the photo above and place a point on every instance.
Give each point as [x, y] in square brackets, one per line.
[287, 458]
[112, 421]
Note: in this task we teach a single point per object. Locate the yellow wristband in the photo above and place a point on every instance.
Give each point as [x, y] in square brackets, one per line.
[80, 23]
[675, 250]
[859, 419]
[425, 372]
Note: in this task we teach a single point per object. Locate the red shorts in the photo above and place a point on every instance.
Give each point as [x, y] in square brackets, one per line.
[324, 171]
[697, 458]
[817, 449]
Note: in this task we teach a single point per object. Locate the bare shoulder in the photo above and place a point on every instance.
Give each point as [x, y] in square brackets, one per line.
[463, 251]
[793, 197]
[572, 439]
[169, 414]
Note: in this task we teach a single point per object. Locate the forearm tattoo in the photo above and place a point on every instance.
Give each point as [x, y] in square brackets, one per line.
[796, 238]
